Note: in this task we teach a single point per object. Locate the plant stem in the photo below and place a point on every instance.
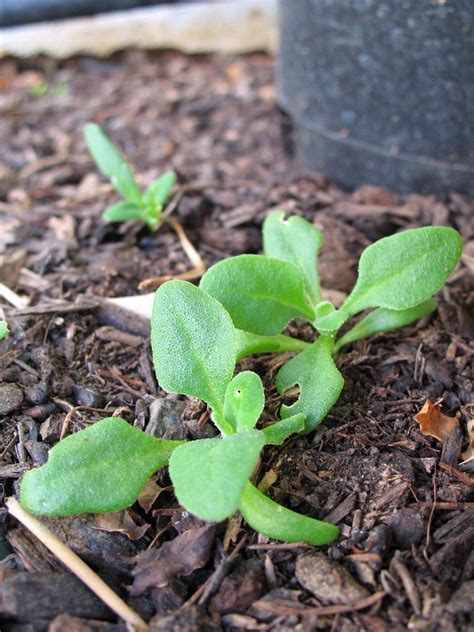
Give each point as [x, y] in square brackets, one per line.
[74, 563]
[248, 344]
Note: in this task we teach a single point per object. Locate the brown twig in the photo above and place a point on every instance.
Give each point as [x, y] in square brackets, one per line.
[272, 546]
[430, 520]
[408, 584]
[321, 611]
[442, 505]
[74, 563]
[210, 583]
[72, 410]
[220, 572]
[462, 476]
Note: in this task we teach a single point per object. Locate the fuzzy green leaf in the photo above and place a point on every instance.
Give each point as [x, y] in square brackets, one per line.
[111, 163]
[381, 320]
[159, 190]
[260, 294]
[319, 380]
[102, 468]
[192, 339]
[122, 212]
[4, 331]
[298, 241]
[244, 401]
[248, 344]
[328, 319]
[404, 270]
[277, 522]
[209, 475]
[278, 433]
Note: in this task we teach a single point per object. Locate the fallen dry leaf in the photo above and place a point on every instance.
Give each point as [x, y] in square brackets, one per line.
[121, 522]
[434, 423]
[469, 452]
[181, 556]
[149, 494]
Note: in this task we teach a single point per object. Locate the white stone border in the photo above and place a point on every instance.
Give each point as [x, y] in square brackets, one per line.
[237, 26]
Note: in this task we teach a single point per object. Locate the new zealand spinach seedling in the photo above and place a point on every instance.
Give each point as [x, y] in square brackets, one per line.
[198, 334]
[397, 278]
[146, 206]
[104, 467]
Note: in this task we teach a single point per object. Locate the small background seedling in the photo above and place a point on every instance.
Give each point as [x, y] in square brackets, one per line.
[146, 206]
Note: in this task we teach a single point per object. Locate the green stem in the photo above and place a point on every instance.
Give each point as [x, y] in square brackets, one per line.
[249, 344]
[224, 427]
[383, 319]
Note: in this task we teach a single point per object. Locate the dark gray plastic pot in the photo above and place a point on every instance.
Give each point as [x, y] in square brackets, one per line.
[381, 91]
[14, 12]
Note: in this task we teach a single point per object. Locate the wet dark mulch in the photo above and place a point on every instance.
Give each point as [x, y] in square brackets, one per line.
[404, 503]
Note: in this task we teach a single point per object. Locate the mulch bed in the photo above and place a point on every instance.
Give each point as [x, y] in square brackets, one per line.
[405, 557]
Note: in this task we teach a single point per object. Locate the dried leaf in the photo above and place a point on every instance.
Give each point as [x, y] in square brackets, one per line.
[149, 494]
[434, 423]
[267, 481]
[469, 452]
[181, 556]
[121, 522]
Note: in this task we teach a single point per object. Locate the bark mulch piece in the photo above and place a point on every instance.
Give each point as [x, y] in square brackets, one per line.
[404, 503]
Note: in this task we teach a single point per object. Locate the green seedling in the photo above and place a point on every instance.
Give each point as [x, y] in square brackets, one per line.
[44, 89]
[397, 278]
[145, 206]
[199, 333]
[104, 467]
[4, 331]
[194, 352]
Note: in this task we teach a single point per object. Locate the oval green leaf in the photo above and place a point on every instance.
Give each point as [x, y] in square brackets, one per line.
[209, 475]
[298, 241]
[319, 380]
[277, 522]
[404, 270]
[192, 339]
[159, 190]
[122, 212]
[261, 294]
[102, 468]
[244, 401]
[111, 163]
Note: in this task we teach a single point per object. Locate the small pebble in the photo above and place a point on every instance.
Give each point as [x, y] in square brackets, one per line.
[451, 400]
[38, 451]
[408, 527]
[11, 398]
[41, 411]
[165, 419]
[64, 387]
[327, 579]
[88, 397]
[434, 390]
[38, 394]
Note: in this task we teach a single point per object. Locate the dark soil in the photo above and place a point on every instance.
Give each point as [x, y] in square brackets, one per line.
[405, 506]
